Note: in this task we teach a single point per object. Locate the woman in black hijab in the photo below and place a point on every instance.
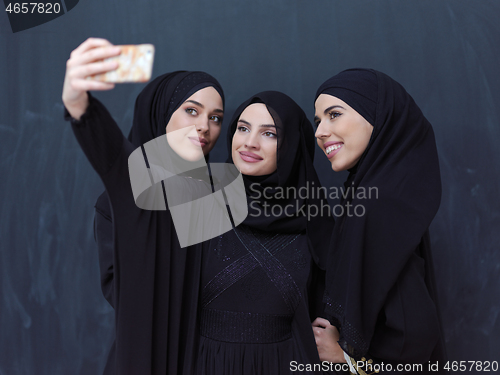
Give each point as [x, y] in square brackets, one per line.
[259, 280]
[260, 284]
[152, 283]
[380, 290]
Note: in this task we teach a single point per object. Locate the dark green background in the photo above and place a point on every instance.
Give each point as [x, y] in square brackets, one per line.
[53, 318]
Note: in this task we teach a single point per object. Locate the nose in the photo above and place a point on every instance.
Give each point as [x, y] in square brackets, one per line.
[202, 125]
[321, 131]
[252, 140]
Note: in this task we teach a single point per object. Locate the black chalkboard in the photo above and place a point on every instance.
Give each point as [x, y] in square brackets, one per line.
[53, 318]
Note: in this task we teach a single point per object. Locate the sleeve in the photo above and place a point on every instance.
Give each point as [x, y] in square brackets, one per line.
[407, 330]
[103, 235]
[98, 135]
[316, 291]
[102, 143]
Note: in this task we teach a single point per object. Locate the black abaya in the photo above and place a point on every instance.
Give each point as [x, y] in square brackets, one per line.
[380, 290]
[155, 283]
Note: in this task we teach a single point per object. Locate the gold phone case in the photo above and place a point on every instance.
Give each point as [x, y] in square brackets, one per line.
[135, 65]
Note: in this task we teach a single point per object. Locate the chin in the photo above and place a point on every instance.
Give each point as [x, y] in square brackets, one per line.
[337, 169]
[191, 156]
[245, 171]
[249, 171]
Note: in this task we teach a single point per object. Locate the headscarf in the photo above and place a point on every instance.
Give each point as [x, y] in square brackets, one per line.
[286, 212]
[372, 255]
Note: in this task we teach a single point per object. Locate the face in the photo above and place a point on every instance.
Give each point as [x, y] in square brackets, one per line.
[255, 142]
[342, 133]
[195, 126]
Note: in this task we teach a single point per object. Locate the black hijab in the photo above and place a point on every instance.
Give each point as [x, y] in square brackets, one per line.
[147, 277]
[373, 256]
[295, 154]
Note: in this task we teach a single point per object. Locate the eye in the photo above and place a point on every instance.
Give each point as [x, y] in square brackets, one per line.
[192, 111]
[334, 114]
[242, 129]
[217, 119]
[269, 134]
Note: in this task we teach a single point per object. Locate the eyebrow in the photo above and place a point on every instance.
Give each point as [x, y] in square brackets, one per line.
[218, 110]
[332, 107]
[262, 126]
[195, 102]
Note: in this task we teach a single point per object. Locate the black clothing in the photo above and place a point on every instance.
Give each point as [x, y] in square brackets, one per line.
[161, 310]
[379, 286]
[254, 316]
[155, 282]
[259, 280]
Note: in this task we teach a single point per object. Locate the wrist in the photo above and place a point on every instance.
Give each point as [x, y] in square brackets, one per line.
[76, 108]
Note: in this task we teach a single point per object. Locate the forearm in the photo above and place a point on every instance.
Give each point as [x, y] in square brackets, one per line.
[98, 135]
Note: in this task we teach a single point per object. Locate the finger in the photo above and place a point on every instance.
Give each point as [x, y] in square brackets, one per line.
[84, 71]
[318, 331]
[320, 322]
[89, 44]
[90, 85]
[94, 55]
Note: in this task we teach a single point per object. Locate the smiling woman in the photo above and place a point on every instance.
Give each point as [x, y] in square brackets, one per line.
[261, 280]
[255, 141]
[380, 292]
[342, 133]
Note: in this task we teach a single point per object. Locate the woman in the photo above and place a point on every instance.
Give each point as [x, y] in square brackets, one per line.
[380, 289]
[259, 279]
[154, 292]
[155, 286]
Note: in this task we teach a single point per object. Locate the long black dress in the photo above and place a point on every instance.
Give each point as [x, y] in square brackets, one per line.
[380, 289]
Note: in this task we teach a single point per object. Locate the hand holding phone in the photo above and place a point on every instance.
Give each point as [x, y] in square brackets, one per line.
[85, 60]
[90, 68]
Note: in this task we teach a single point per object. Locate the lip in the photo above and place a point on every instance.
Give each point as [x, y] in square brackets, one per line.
[198, 141]
[334, 152]
[249, 157]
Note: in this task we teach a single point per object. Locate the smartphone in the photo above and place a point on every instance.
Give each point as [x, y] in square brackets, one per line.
[135, 64]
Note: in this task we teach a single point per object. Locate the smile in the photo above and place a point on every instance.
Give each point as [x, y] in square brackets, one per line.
[250, 157]
[334, 147]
